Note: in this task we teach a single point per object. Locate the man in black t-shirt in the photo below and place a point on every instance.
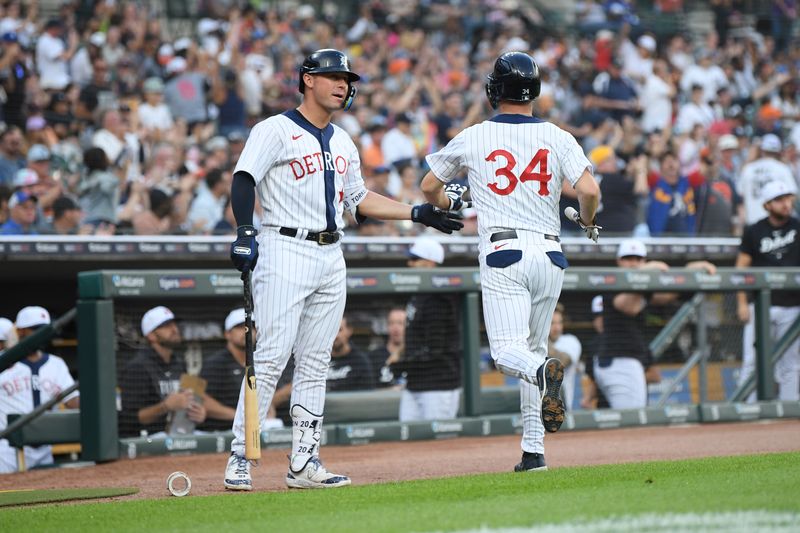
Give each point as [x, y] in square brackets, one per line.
[349, 369]
[620, 193]
[773, 241]
[381, 358]
[150, 382]
[224, 372]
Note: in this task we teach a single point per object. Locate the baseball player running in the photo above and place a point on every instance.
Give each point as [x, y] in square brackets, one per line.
[305, 171]
[515, 166]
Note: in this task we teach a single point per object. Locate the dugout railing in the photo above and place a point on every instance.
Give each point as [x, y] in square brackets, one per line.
[101, 291]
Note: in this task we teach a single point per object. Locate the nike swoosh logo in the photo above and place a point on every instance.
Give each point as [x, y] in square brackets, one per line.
[295, 137]
[500, 246]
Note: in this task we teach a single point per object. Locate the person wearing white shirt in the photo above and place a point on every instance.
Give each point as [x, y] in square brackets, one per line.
[397, 144]
[208, 207]
[154, 114]
[567, 349]
[694, 112]
[756, 174]
[656, 98]
[52, 56]
[710, 77]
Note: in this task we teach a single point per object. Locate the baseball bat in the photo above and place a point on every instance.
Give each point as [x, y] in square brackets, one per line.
[252, 430]
[572, 214]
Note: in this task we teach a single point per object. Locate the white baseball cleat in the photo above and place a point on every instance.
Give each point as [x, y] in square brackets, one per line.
[315, 476]
[237, 473]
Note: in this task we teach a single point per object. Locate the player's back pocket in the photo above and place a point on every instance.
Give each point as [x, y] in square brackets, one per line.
[558, 259]
[503, 258]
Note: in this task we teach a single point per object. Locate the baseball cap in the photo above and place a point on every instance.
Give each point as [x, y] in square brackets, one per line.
[597, 304]
[771, 143]
[10, 37]
[155, 318]
[630, 247]
[38, 152]
[216, 143]
[427, 248]
[728, 142]
[98, 39]
[166, 50]
[153, 85]
[24, 178]
[234, 318]
[5, 328]
[776, 189]
[236, 137]
[182, 44]
[647, 42]
[176, 64]
[382, 169]
[600, 154]
[32, 316]
[20, 197]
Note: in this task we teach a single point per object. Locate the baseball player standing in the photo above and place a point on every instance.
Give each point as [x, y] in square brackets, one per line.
[773, 241]
[306, 171]
[516, 164]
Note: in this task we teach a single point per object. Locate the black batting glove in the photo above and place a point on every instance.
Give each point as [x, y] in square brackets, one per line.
[455, 192]
[435, 218]
[244, 250]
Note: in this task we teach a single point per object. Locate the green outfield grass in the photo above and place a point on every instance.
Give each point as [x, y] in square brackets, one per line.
[714, 485]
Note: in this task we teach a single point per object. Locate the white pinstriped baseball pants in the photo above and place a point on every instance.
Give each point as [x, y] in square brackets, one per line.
[518, 305]
[299, 293]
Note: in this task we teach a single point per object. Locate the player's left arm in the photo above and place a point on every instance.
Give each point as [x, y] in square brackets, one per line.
[433, 189]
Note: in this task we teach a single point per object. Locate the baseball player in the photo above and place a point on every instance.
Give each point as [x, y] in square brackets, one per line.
[773, 241]
[516, 164]
[306, 171]
[29, 383]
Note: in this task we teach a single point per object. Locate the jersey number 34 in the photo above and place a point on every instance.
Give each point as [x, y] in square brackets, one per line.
[530, 173]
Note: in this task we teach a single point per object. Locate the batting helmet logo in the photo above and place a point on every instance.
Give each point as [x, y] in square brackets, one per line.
[329, 60]
[515, 78]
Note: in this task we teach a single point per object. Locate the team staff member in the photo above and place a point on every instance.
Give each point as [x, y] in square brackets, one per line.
[224, 371]
[773, 241]
[431, 360]
[350, 368]
[306, 171]
[516, 165]
[621, 368]
[29, 383]
[381, 358]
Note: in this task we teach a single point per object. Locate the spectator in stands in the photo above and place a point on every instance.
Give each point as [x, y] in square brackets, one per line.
[431, 361]
[224, 371]
[67, 217]
[398, 144]
[566, 348]
[150, 382]
[620, 192]
[672, 208]
[122, 147]
[14, 76]
[185, 92]
[695, 111]
[207, 208]
[349, 369]
[624, 357]
[22, 215]
[11, 157]
[382, 358]
[773, 241]
[615, 94]
[99, 189]
[372, 154]
[5, 196]
[34, 380]
[715, 198]
[52, 55]
[154, 115]
[704, 73]
[755, 176]
[656, 98]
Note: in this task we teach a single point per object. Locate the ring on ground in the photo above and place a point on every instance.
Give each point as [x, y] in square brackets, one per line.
[175, 490]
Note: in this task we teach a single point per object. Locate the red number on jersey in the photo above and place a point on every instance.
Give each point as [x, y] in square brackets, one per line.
[529, 174]
[504, 171]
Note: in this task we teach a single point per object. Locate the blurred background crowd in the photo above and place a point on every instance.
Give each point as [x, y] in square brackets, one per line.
[114, 122]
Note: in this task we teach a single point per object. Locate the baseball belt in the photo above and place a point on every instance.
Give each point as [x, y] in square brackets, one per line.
[511, 234]
[322, 238]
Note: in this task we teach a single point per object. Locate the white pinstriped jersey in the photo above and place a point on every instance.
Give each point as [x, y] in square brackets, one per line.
[515, 166]
[304, 176]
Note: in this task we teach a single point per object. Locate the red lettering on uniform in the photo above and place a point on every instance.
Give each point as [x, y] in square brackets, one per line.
[318, 155]
[297, 169]
[341, 164]
[308, 160]
[341, 196]
[9, 388]
[529, 174]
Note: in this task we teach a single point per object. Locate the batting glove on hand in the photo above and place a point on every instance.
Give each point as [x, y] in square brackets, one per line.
[244, 250]
[456, 192]
[592, 230]
[434, 217]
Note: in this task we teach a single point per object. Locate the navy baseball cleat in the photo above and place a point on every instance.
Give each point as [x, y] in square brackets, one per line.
[531, 462]
[314, 476]
[550, 375]
[237, 473]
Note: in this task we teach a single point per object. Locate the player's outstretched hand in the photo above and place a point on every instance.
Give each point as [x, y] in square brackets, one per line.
[434, 217]
[456, 192]
[244, 250]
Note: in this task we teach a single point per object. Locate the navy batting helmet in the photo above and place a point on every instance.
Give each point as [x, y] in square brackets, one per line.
[329, 60]
[515, 78]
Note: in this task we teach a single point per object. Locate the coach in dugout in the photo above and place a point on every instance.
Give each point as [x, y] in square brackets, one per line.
[224, 371]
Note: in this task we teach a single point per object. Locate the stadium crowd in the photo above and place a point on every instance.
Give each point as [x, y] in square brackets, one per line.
[112, 126]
